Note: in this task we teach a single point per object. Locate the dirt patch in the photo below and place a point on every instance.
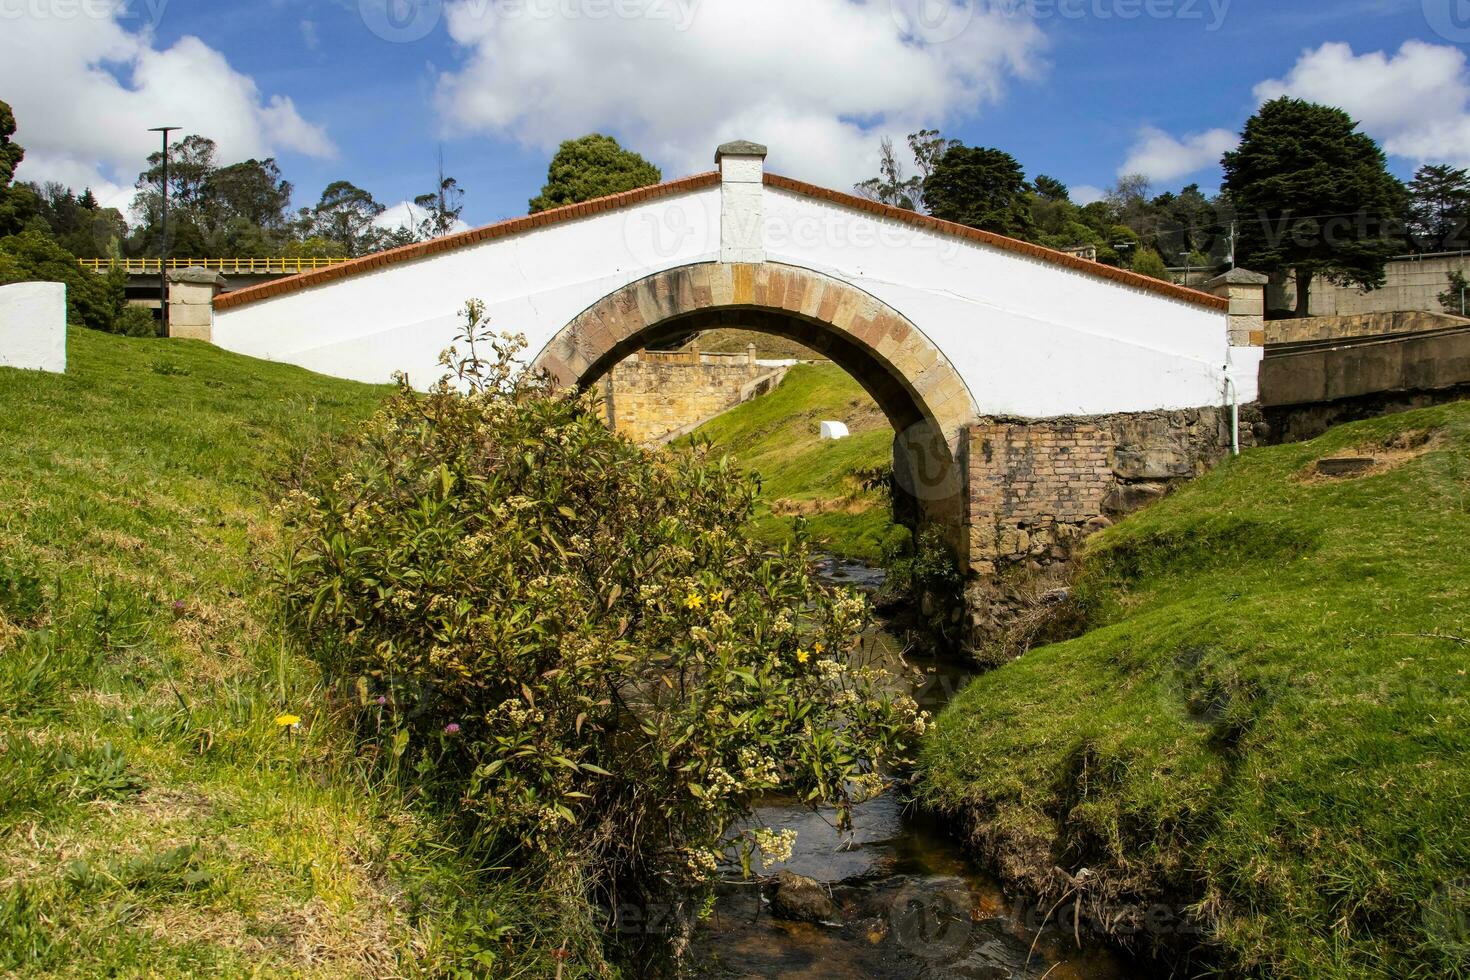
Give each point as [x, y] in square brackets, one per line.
[1371, 458]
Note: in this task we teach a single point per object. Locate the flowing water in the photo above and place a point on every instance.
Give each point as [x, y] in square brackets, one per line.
[912, 904]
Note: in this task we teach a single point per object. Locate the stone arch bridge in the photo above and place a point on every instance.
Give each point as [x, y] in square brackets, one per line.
[1033, 392]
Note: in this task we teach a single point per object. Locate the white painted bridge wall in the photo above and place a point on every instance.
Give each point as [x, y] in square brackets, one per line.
[399, 318]
[1029, 338]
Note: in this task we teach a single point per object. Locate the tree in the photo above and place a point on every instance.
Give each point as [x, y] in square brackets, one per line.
[253, 192]
[1129, 200]
[442, 206]
[92, 300]
[346, 214]
[1453, 300]
[1185, 223]
[1149, 263]
[1314, 196]
[980, 187]
[16, 207]
[591, 167]
[891, 187]
[928, 148]
[11, 152]
[1051, 189]
[1439, 208]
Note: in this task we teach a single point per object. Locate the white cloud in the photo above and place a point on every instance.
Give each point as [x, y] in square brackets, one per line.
[85, 91]
[818, 81]
[406, 214]
[1415, 102]
[1161, 157]
[1085, 194]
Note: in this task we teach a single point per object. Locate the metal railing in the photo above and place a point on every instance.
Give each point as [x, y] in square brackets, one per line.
[275, 266]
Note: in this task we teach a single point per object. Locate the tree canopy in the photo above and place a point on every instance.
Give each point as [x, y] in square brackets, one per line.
[980, 187]
[591, 167]
[1314, 197]
[1439, 209]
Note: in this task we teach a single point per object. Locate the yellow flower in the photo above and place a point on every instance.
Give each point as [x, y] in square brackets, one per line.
[802, 656]
[818, 647]
[717, 597]
[693, 601]
[288, 721]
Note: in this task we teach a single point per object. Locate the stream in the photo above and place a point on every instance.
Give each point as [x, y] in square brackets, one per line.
[913, 905]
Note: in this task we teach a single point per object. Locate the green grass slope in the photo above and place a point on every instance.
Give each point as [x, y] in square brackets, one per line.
[777, 436]
[1268, 730]
[154, 817]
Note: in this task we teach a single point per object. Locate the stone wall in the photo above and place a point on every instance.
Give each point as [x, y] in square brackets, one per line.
[654, 396]
[1312, 328]
[1412, 283]
[1038, 489]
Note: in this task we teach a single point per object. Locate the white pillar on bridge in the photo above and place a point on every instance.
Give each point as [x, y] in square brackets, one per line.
[742, 216]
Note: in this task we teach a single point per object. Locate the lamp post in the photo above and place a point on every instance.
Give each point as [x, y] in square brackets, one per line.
[163, 235]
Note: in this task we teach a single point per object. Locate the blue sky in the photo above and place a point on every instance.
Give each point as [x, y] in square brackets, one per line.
[1072, 88]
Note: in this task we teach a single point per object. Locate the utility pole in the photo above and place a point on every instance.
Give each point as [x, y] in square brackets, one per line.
[163, 235]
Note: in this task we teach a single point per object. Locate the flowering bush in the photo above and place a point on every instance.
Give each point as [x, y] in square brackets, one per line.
[577, 632]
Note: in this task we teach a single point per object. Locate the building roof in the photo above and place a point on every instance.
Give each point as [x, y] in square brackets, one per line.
[615, 202]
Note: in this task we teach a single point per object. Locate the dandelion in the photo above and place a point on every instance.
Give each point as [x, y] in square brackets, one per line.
[452, 728]
[802, 656]
[288, 721]
[818, 647]
[717, 597]
[693, 600]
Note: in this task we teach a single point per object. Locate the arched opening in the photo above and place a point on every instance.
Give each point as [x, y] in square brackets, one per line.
[914, 385]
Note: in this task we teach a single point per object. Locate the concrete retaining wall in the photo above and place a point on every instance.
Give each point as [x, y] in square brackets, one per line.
[33, 326]
[1410, 284]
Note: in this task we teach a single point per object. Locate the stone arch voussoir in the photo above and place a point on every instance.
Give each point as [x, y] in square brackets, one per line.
[857, 324]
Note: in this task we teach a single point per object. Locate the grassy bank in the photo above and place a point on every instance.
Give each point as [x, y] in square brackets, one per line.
[777, 436]
[1266, 733]
[155, 819]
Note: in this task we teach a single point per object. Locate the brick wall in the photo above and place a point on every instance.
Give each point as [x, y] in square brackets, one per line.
[1039, 488]
[1026, 479]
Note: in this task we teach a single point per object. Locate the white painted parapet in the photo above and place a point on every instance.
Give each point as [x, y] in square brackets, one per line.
[33, 326]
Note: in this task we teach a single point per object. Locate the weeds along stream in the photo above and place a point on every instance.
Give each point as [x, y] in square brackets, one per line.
[910, 903]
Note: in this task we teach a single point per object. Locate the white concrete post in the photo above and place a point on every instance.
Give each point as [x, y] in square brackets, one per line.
[742, 214]
[33, 326]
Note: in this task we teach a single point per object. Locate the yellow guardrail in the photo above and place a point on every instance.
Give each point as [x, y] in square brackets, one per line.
[283, 266]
